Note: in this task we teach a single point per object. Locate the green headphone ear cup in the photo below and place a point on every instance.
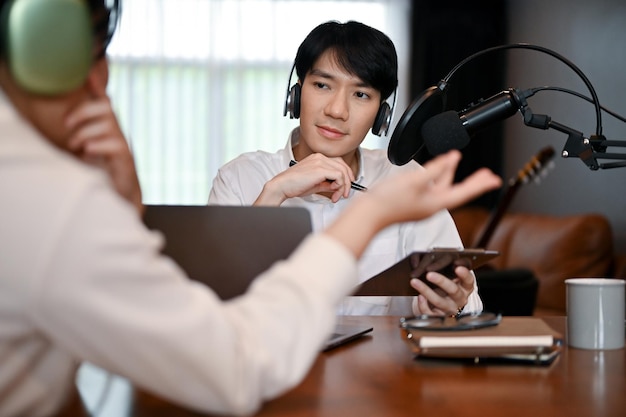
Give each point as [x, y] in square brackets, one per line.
[49, 44]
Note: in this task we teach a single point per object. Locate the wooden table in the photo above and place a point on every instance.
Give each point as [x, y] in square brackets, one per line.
[378, 376]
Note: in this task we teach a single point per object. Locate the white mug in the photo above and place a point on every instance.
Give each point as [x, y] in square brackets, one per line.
[595, 313]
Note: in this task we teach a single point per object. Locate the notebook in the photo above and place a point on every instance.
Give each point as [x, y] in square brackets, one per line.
[526, 340]
[227, 247]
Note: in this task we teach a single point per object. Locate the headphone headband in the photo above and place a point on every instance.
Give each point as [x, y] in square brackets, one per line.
[382, 121]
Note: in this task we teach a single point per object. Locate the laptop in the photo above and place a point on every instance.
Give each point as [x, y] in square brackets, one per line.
[227, 247]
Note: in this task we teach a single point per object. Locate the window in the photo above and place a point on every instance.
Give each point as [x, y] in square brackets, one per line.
[198, 82]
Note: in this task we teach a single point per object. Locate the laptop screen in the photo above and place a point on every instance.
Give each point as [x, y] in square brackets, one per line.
[226, 247]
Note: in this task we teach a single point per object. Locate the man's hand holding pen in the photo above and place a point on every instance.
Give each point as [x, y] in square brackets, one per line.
[315, 174]
[353, 184]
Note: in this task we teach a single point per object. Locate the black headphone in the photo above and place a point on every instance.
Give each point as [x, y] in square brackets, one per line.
[49, 44]
[382, 121]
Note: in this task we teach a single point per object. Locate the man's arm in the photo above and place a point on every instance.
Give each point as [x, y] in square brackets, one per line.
[408, 197]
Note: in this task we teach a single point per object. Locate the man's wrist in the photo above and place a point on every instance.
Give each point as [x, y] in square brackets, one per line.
[459, 312]
[269, 197]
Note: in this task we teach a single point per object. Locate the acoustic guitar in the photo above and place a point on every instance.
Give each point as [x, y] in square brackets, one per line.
[534, 169]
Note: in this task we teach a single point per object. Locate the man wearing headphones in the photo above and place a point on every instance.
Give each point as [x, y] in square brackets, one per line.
[345, 72]
[82, 279]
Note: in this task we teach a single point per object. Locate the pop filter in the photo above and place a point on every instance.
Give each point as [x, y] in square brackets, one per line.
[406, 141]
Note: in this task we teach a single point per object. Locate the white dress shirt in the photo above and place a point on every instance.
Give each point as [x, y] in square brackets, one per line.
[81, 279]
[240, 181]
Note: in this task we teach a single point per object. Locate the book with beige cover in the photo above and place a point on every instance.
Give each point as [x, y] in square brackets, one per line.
[515, 339]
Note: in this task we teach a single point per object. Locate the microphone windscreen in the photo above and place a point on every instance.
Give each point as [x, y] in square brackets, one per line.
[444, 132]
[406, 140]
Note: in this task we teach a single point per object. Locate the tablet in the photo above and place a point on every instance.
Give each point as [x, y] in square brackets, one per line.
[445, 260]
[394, 281]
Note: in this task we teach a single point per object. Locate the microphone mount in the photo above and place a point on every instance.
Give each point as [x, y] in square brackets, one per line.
[590, 149]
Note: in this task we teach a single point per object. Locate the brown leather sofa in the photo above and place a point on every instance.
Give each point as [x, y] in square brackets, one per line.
[552, 248]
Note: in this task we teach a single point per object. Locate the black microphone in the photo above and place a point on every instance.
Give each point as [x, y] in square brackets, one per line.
[425, 130]
[452, 130]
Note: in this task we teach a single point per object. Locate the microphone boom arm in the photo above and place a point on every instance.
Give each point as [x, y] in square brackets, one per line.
[432, 132]
[589, 150]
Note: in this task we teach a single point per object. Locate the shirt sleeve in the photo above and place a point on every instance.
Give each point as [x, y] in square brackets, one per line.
[109, 298]
[223, 191]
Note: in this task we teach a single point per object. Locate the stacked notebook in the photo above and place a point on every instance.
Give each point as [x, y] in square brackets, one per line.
[514, 339]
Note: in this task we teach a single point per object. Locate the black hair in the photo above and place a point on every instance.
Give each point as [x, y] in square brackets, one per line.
[360, 49]
[105, 15]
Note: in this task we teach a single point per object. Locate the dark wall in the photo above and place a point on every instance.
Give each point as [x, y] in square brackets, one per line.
[443, 34]
[592, 34]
